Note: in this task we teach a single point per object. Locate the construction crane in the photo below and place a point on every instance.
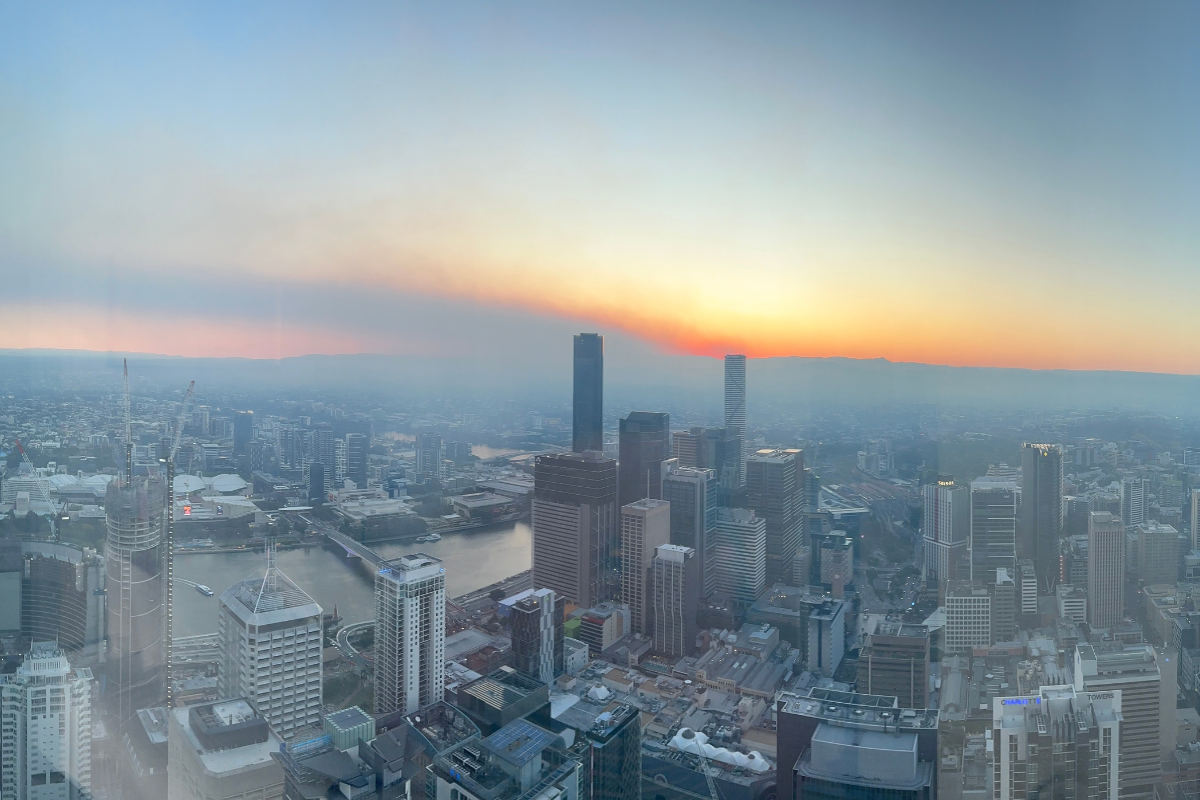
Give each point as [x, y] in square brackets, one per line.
[128, 428]
[170, 543]
[43, 487]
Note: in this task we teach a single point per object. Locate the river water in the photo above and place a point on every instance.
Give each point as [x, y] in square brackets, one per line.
[472, 560]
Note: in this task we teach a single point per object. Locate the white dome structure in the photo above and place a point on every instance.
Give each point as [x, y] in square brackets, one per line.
[690, 741]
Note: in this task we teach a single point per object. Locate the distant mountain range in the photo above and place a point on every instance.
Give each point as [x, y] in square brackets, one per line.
[634, 376]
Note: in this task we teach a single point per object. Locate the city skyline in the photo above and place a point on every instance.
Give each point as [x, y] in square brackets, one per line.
[851, 195]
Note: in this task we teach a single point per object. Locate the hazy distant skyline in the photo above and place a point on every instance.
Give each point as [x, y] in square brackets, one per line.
[1002, 185]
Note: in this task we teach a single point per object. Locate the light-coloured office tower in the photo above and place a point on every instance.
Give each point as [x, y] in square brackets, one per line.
[735, 414]
[1027, 586]
[968, 616]
[1147, 711]
[1196, 519]
[692, 493]
[775, 490]
[270, 633]
[1133, 500]
[993, 540]
[222, 751]
[1158, 553]
[1106, 570]
[826, 637]
[410, 634]
[1059, 743]
[431, 453]
[1041, 509]
[676, 597]
[46, 728]
[1072, 602]
[645, 526]
[740, 558]
[947, 523]
[685, 446]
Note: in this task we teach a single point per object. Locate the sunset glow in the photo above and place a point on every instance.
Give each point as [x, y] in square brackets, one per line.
[704, 181]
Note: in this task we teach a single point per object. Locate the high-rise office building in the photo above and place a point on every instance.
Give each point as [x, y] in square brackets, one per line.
[587, 418]
[643, 447]
[410, 634]
[357, 446]
[243, 431]
[693, 495]
[520, 761]
[1148, 713]
[947, 523]
[46, 728]
[1158, 553]
[431, 452]
[685, 446]
[735, 416]
[860, 746]
[316, 483]
[536, 619]
[645, 525]
[1058, 743]
[894, 661]
[775, 490]
[576, 541]
[739, 564]
[271, 638]
[1027, 587]
[222, 751]
[1195, 519]
[675, 598]
[1002, 590]
[1105, 570]
[319, 448]
[613, 770]
[1041, 509]
[993, 541]
[134, 560]
[1133, 500]
[968, 616]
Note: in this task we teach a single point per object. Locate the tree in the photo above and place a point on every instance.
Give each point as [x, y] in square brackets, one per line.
[496, 594]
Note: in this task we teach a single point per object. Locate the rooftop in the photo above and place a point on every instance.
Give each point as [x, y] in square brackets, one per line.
[274, 594]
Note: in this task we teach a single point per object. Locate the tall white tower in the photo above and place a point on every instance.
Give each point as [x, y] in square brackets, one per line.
[410, 633]
[735, 411]
[270, 633]
[46, 728]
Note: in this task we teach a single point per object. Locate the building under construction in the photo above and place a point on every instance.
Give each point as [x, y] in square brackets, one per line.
[134, 559]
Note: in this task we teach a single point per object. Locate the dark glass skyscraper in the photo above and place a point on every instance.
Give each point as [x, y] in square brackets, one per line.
[576, 548]
[775, 490]
[357, 445]
[693, 495]
[644, 445]
[614, 756]
[243, 429]
[1041, 510]
[588, 398]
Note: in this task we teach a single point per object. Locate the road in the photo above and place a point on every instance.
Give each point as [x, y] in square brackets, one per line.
[347, 649]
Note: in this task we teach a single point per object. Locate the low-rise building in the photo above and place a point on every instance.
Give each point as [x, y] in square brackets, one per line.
[222, 751]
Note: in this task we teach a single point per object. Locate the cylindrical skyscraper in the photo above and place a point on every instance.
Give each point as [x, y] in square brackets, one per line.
[134, 583]
[587, 415]
[735, 414]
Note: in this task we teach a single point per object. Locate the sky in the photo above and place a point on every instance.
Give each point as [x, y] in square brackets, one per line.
[983, 184]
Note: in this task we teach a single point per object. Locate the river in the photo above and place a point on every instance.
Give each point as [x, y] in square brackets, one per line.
[473, 559]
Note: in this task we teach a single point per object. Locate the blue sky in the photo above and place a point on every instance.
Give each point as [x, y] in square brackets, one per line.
[995, 184]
